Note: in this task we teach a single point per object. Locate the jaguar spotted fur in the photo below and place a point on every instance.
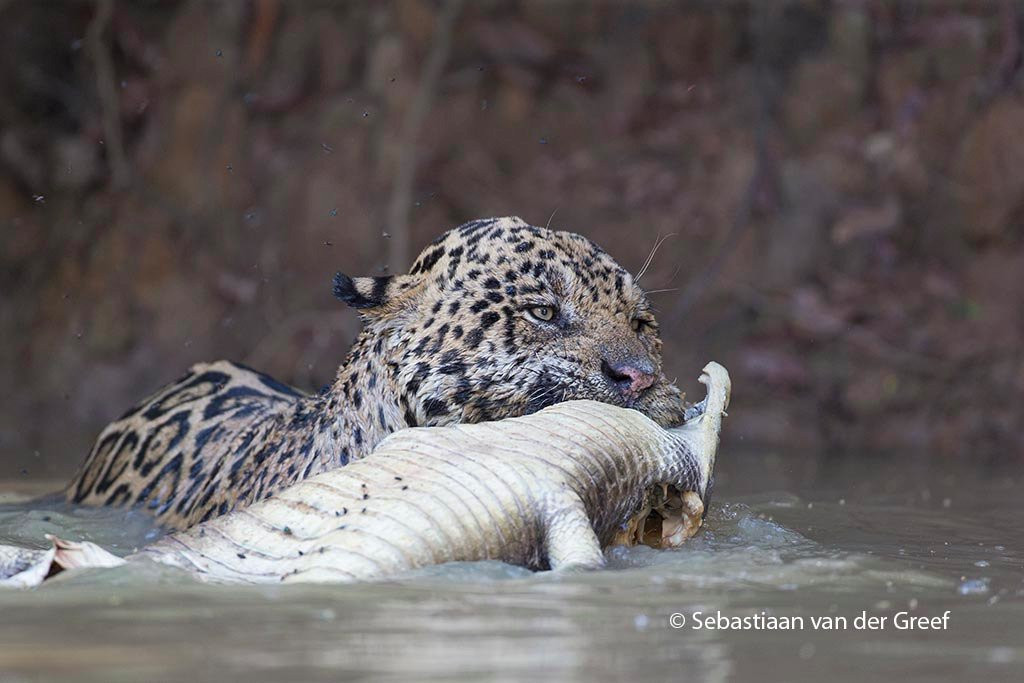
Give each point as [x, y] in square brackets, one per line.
[496, 318]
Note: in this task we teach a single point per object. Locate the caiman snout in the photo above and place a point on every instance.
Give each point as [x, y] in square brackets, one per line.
[700, 433]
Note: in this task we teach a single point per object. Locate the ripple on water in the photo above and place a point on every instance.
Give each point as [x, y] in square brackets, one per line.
[740, 547]
[120, 531]
[771, 553]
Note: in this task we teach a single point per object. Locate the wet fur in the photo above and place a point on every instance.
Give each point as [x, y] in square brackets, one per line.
[449, 342]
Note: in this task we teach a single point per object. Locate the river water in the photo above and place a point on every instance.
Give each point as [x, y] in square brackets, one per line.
[789, 536]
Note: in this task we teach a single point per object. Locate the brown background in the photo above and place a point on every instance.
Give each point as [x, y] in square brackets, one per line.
[843, 183]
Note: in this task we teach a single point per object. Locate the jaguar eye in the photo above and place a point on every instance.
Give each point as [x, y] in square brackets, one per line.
[544, 313]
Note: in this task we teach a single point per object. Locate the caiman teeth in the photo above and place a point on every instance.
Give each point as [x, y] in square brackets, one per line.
[691, 413]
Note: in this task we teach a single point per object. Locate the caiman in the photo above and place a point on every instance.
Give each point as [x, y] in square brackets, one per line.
[545, 491]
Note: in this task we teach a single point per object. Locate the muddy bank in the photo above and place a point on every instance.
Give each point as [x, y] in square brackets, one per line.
[179, 181]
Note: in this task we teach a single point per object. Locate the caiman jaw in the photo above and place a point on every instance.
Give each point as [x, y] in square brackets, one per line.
[698, 436]
[674, 510]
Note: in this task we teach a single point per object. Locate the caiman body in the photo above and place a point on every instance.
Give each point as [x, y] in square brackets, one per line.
[548, 490]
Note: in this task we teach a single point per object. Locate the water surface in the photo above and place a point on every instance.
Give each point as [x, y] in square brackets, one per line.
[788, 536]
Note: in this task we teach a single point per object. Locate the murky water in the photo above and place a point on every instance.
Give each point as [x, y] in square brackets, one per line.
[789, 537]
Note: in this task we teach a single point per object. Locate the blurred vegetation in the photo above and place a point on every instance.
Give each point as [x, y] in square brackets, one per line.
[843, 183]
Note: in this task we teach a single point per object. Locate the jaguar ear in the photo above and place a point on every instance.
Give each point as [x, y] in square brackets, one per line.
[373, 294]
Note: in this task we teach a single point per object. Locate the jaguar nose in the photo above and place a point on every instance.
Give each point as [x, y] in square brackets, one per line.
[629, 379]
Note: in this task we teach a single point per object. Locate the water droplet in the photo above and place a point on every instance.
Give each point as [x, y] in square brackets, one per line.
[219, 53]
[230, 167]
[325, 147]
[973, 587]
[366, 114]
[38, 198]
[386, 235]
[334, 212]
[981, 563]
